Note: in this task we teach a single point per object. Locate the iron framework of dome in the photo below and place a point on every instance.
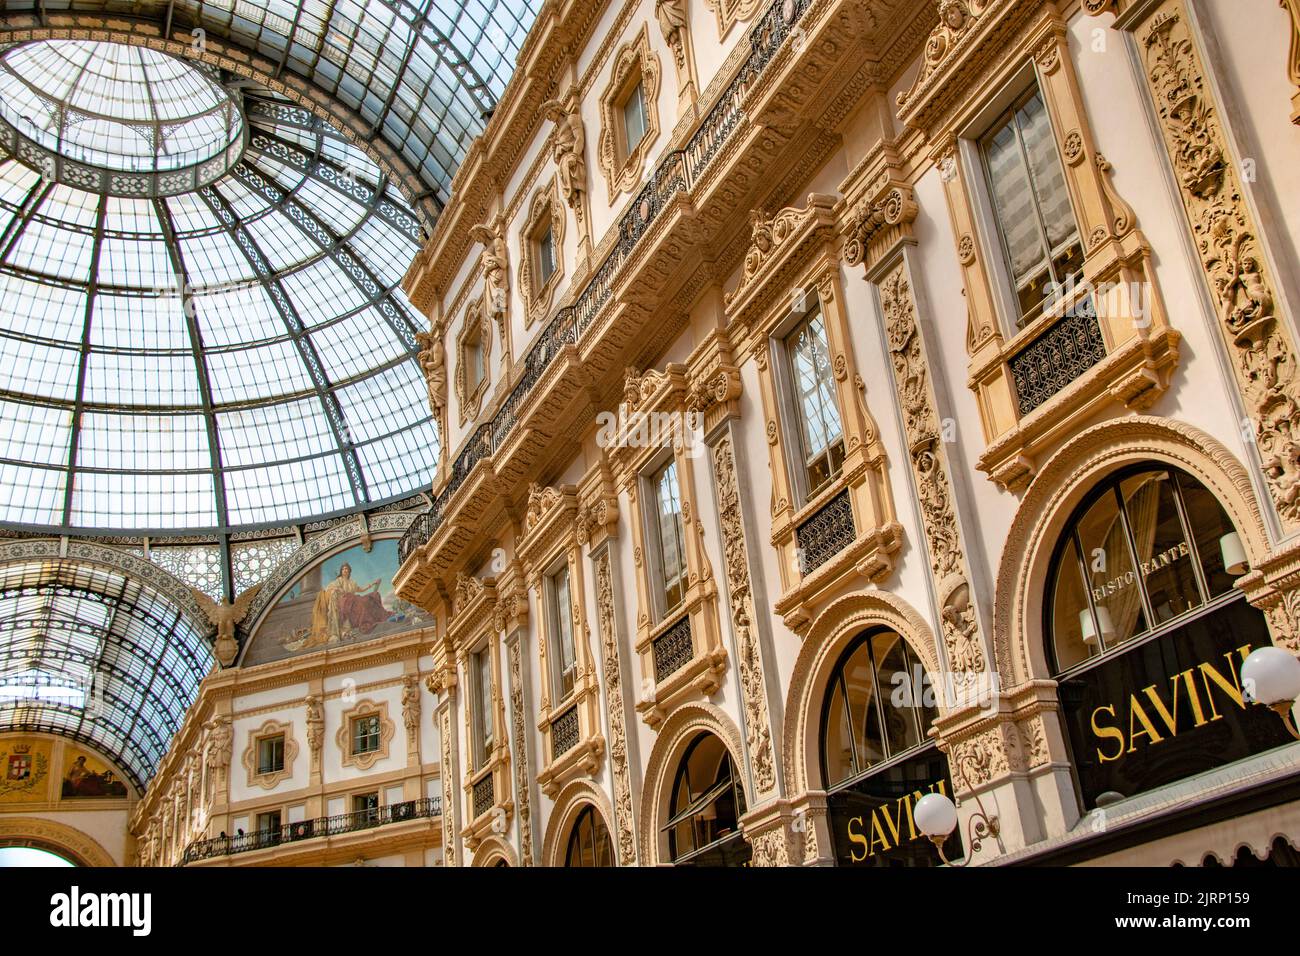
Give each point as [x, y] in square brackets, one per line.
[235, 356]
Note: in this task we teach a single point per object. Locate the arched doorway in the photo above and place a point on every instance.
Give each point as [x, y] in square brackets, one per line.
[1145, 634]
[589, 843]
[705, 805]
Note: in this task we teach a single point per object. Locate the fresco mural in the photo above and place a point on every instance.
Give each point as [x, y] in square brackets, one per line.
[345, 599]
[85, 775]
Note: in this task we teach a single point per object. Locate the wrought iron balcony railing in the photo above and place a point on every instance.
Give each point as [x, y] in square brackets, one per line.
[825, 533]
[678, 172]
[1058, 357]
[673, 649]
[309, 829]
[564, 732]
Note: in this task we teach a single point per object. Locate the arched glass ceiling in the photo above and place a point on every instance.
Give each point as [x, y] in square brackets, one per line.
[91, 654]
[422, 73]
[115, 106]
[232, 357]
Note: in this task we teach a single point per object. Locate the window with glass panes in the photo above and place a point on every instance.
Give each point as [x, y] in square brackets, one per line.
[815, 405]
[1149, 546]
[366, 804]
[1040, 236]
[269, 823]
[878, 705]
[475, 360]
[481, 701]
[270, 754]
[561, 627]
[589, 843]
[545, 252]
[634, 117]
[365, 734]
[669, 538]
[705, 807]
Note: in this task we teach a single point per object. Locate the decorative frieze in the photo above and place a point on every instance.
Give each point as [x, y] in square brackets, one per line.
[735, 559]
[1228, 243]
[607, 625]
[518, 731]
[960, 623]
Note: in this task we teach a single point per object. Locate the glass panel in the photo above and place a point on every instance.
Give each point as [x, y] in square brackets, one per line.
[634, 120]
[545, 257]
[860, 687]
[1115, 583]
[893, 668]
[270, 754]
[1164, 556]
[1073, 628]
[1013, 199]
[837, 739]
[562, 629]
[1209, 523]
[668, 511]
[820, 428]
[482, 697]
[1048, 175]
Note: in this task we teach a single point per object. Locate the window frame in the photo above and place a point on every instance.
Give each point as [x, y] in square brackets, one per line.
[798, 459]
[1068, 541]
[634, 91]
[1001, 113]
[483, 729]
[891, 757]
[651, 517]
[374, 733]
[558, 612]
[589, 814]
[260, 741]
[707, 797]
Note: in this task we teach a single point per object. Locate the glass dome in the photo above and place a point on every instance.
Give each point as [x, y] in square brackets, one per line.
[117, 107]
[235, 355]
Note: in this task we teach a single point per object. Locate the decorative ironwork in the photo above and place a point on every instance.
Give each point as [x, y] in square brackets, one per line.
[678, 172]
[673, 649]
[825, 533]
[311, 829]
[1057, 357]
[482, 796]
[564, 732]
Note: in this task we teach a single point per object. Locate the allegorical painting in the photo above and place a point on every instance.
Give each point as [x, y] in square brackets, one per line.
[345, 599]
[85, 775]
[24, 770]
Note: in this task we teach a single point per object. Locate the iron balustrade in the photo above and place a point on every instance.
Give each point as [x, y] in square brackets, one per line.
[483, 796]
[309, 829]
[678, 172]
[564, 732]
[825, 533]
[1058, 357]
[673, 649]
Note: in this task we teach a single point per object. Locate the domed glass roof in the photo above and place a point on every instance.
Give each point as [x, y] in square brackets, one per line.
[115, 106]
[231, 356]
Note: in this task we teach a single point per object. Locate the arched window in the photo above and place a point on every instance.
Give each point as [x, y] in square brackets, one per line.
[1148, 546]
[589, 841]
[705, 808]
[878, 705]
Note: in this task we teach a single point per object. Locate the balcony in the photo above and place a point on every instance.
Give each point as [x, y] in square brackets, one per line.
[306, 830]
[677, 175]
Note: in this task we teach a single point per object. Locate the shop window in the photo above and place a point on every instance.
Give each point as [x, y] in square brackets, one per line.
[1148, 547]
[705, 808]
[1035, 218]
[818, 455]
[589, 843]
[878, 706]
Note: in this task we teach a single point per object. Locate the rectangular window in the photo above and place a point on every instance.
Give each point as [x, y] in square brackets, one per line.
[367, 805]
[269, 824]
[546, 264]
[365, 734]
[669, 538]
[474, 365]
[561, 627]
[1040, 236]
[816, 405]
[270, 754]
[481, 699]
[634, 118]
